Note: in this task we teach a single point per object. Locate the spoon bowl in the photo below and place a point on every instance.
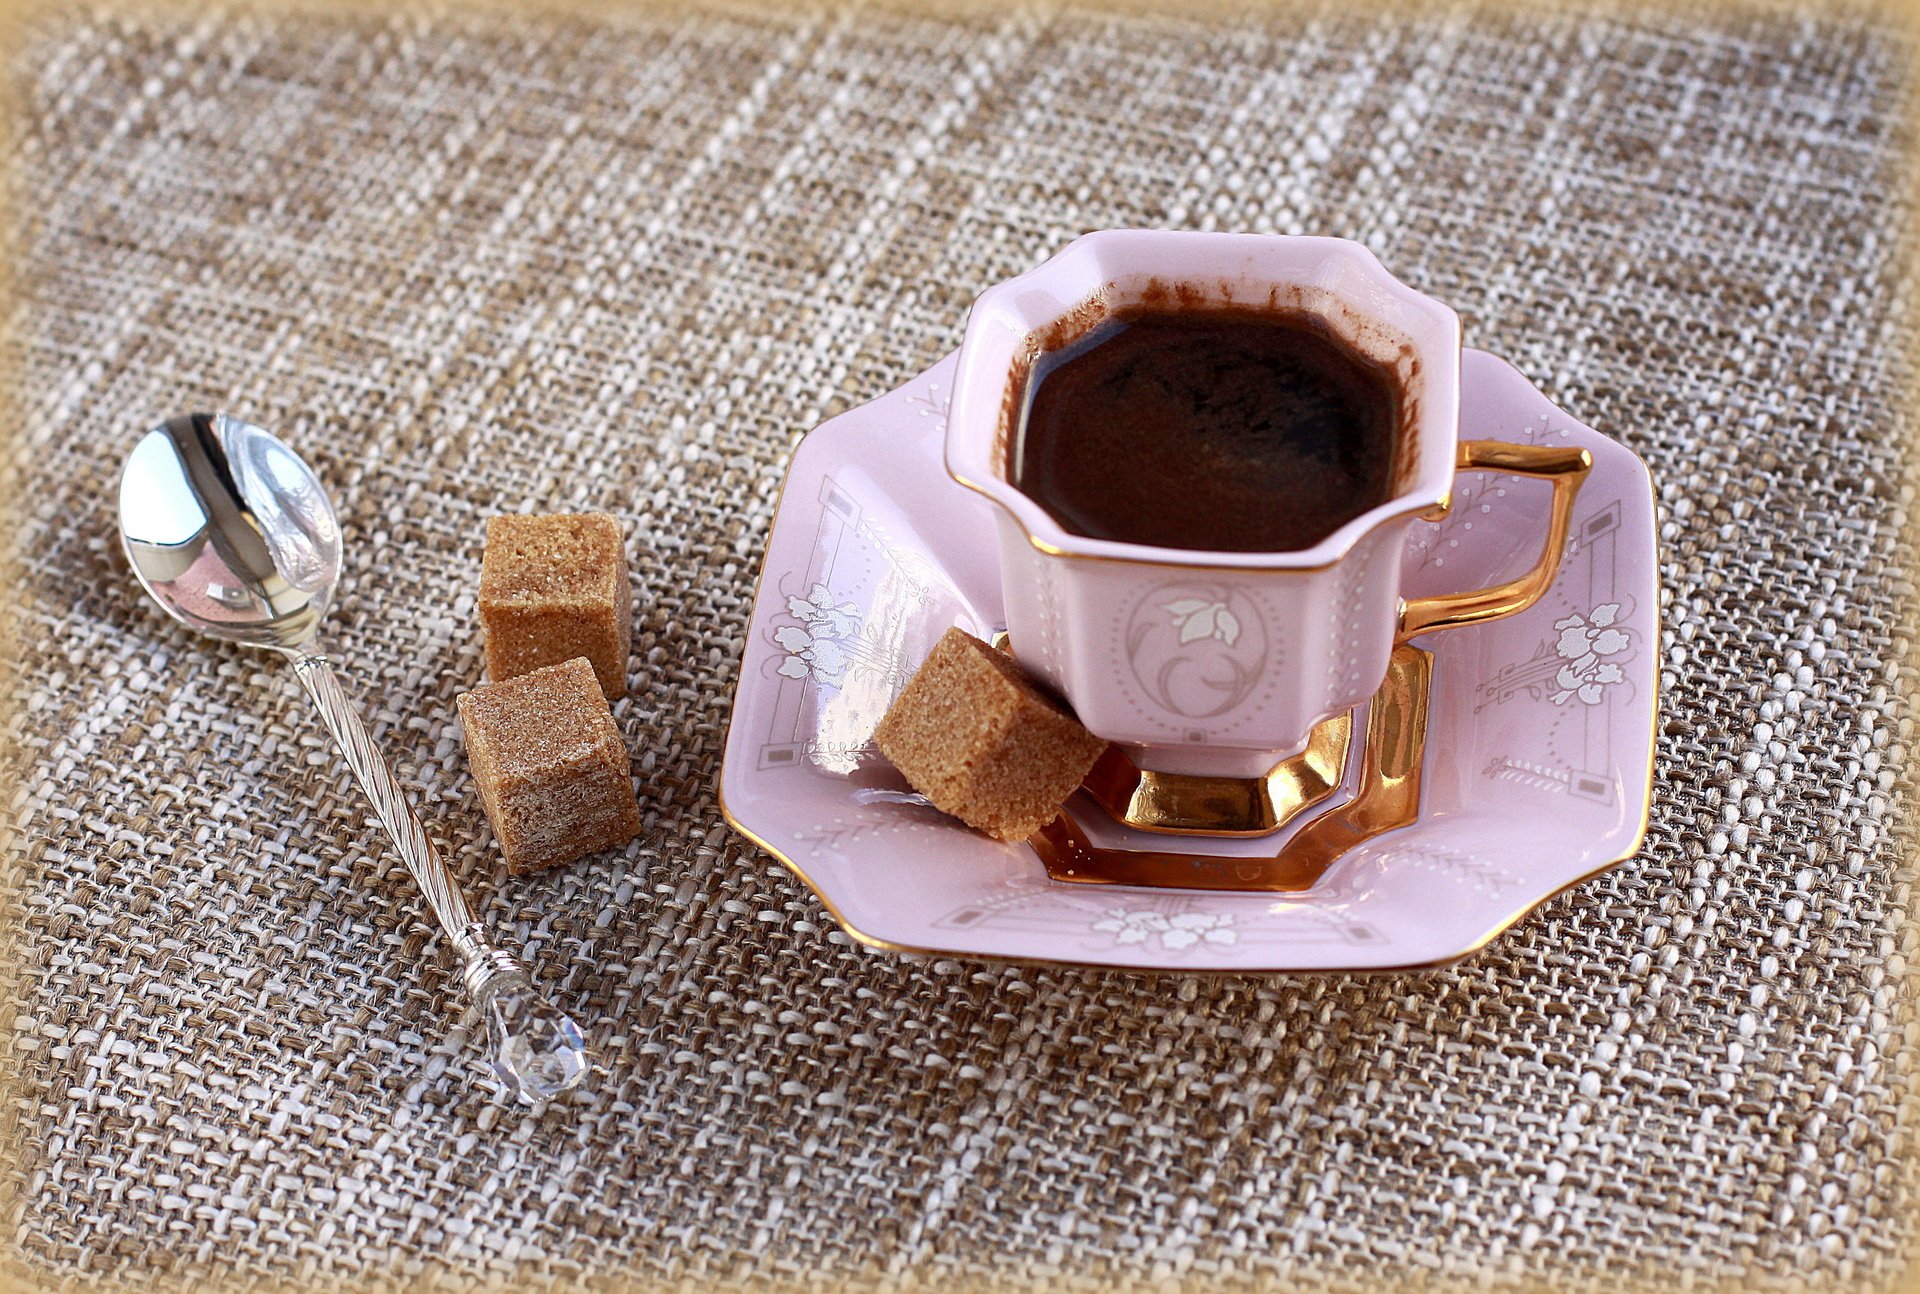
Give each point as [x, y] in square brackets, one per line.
[229, 531]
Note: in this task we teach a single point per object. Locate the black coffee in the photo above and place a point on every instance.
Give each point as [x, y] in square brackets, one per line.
[1234, 430]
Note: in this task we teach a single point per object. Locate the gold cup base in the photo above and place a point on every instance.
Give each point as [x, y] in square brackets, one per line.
[1387, 796]
[1184, 805]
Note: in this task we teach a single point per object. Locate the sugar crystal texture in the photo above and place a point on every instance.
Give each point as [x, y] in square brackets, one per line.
[554, 776]
[555, 587]
[974, 735]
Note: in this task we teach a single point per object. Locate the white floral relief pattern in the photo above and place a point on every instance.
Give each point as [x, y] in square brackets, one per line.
[931, 403]
[1585, 643]
[817, 647]
[906, 815]
[1196, 648]
[1482, 875]
[1173, 933]
[1197, 618]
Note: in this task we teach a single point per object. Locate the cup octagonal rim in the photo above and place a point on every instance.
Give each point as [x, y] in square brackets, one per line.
[1006, 316]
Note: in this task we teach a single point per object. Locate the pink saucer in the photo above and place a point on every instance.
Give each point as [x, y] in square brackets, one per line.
[1539, 754]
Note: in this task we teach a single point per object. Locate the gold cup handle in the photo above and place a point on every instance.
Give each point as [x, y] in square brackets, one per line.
[1567, 469]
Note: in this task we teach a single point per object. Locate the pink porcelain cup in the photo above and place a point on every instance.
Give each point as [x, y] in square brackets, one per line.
[1221, 663]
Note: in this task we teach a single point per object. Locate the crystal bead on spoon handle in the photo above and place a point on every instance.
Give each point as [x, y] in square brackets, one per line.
[536, 1049]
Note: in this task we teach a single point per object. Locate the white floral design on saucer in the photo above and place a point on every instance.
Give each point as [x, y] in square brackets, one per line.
[1585, 643]
[817, 647]
[1173, 933]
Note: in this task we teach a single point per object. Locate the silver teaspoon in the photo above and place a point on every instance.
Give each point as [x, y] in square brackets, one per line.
[233, 535]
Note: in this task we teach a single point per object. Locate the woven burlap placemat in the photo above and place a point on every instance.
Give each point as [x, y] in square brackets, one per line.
[483, 263]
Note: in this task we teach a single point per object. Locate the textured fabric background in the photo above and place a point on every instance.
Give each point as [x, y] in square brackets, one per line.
[480, 263]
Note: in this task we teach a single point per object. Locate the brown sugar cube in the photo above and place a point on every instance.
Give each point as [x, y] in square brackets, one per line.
[553, 774]
[972, 734]
[555, 587]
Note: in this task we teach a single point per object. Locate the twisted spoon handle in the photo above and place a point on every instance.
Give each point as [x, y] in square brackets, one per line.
[537, 1050]
[389, 801]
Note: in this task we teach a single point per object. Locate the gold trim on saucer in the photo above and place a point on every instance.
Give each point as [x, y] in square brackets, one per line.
[1189, 805]
[1513, 919]
[1388, 796]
